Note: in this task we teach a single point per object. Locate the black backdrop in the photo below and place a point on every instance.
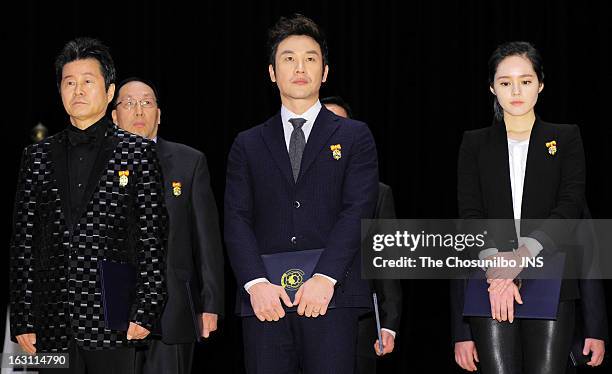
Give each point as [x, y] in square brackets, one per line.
[416, 72]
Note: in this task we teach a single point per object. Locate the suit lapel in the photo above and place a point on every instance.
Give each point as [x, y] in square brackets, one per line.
[163, 155]
[100, 166]
[500, 169]
[59, 158]
[323, 127]
[274, 137]
[536, 159]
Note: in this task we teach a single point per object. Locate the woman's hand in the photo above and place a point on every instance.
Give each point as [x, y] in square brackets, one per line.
[502, 302]
[507, 273]
[466, 354]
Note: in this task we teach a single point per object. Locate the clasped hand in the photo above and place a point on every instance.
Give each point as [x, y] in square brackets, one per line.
[500, 277]
[312, 299]
[503, 292]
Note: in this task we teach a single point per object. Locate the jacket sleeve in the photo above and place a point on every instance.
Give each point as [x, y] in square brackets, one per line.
[22, 261]
[207, 239]
[460, 327]
[570, 195]
[469, 193]
[359, 193]
[151, 216]
[389, 290]
[242, 247]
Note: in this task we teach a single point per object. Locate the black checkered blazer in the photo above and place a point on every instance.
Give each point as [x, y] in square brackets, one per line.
[55, 285]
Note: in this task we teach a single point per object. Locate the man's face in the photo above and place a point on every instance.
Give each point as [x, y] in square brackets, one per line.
[337, 110]
[299, 68]
[83, 91]
[137, 110]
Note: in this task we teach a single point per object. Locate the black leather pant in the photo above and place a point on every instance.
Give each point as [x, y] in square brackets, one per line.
[526, 346]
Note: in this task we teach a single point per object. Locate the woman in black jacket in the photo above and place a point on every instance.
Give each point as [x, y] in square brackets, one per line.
[521, 168]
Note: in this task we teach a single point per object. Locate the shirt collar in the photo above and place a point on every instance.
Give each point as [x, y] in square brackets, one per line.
[97, 127]
[310, 115]
[94, 133]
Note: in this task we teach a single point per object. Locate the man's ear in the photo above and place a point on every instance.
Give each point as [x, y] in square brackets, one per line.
[114, 115]
[110, 93]
[325, 72]
[271, 72]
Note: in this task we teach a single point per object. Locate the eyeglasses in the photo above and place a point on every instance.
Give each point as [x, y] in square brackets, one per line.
[129, 104]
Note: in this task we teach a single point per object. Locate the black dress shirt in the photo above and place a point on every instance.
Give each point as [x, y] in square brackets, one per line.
[83, 147]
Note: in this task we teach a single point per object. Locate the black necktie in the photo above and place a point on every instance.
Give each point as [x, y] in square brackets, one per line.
[297, 142]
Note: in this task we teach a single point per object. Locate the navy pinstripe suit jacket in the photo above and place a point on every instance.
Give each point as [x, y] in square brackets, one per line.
[266, 211]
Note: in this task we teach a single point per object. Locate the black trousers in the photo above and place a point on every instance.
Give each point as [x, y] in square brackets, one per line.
[119, 360]
[158, 357]
[527, 346]
[298, 344]
[366, 357]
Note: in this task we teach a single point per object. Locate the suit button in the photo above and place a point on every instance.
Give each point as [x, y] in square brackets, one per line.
[294, 240]
[296, 204]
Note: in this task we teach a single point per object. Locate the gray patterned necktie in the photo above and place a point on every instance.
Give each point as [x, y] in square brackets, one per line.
[297, 142]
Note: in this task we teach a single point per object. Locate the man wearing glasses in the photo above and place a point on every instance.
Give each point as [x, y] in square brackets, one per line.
[192, 310]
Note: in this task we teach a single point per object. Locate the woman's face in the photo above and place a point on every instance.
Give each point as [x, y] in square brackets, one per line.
[516, 85]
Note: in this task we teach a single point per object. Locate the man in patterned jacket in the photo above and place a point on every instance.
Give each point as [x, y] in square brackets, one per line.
[92, 192]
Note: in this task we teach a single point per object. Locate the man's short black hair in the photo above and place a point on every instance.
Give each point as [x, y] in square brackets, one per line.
[148, 82]
[82, 49]
[337, 100]
[297, 24]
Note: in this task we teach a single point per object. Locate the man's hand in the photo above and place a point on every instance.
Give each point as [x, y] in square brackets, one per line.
[598, 347]
[466, 354]
[388, 343]
[136, 332]
[502, 303]
[209, 323]
[314, 296]
[265, 301]
[26, 342]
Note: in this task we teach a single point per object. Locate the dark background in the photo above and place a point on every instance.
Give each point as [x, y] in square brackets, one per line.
[416, 72]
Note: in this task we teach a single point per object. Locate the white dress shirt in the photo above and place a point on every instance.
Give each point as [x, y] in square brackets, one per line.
[310, 116]
[517, 160]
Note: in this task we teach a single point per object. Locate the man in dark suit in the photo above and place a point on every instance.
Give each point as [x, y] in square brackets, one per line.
[302, 180]
[92, 192]
[389, 291]
[195, 288]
